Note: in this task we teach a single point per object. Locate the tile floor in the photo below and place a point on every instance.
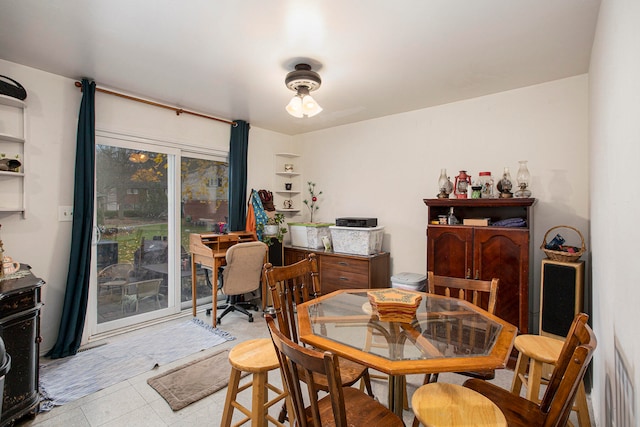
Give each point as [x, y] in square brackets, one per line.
[134, 403]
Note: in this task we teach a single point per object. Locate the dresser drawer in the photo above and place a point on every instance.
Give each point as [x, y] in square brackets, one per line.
[335, 279]
[17, 303]
[344, 271]
[350, 265]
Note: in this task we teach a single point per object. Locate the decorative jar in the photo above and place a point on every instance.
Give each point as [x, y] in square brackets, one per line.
[486, 181]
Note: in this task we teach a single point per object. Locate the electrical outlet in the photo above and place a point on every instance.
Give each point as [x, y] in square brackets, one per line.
[65, 213]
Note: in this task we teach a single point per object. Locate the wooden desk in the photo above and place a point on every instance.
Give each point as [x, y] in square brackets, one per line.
[209, 250]
[340, 321]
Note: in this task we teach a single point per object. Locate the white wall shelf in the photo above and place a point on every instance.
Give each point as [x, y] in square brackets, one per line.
[13, 117]
[285, 176]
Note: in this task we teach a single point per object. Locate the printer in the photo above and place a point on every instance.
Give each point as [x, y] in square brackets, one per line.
[356, 222]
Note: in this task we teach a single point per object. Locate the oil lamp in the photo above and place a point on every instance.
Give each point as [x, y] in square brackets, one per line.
[523, 177]
[504, 185]
[444, 184]
[463, 182]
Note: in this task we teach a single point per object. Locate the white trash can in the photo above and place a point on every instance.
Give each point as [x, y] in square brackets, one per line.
[409, 281]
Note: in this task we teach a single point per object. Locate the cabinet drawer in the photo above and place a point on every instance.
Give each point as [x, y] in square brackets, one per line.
[17, 303]
[346, 265]
[337, 279]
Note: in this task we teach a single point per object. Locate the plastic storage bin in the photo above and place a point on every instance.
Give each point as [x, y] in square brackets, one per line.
[357, 240]
[309, 234]
[298, 233]
[409, 281]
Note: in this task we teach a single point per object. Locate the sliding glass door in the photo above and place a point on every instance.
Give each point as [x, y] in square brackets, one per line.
[136, 251]
[149, 199]
[205, 209]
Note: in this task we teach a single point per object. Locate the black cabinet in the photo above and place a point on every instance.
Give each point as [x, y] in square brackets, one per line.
[20, 305]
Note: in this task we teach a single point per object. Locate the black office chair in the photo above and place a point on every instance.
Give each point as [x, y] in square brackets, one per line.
[242, 275]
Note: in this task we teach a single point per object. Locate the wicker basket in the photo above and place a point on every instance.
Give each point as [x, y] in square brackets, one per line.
[562, 255]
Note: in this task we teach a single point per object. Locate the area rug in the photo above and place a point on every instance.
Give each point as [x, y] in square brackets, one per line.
[67, 379]
[183, 385]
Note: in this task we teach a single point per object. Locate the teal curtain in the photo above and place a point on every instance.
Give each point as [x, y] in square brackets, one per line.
[77, 290]
[238, 149]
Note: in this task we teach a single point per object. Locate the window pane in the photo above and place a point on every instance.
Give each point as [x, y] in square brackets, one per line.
[132, 216]
[205, 209]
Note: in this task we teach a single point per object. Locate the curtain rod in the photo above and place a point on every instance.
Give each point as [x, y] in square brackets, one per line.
[157, 104]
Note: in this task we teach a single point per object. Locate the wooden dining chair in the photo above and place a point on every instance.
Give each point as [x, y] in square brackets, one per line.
[482, 293]
[556, 404]
[343, 406]
[294, 284]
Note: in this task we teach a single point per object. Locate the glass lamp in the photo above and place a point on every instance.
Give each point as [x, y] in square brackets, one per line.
[444, 185]
[523, 177]
[504, 185]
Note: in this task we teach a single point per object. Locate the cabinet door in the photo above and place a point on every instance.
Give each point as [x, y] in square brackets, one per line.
[450, 251]
[505, 254]
[291, 256]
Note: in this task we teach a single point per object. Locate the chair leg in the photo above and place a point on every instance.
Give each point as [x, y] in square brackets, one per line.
[259, 399]
[232, 392]
[366, 379]
[582, 407]
[519, 373]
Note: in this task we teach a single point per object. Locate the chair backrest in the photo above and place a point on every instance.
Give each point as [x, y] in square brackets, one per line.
[121, 271]
[244, 267]
[289, 286]
[299, 364]
[568, 372]
[147, 288]
[482, 293]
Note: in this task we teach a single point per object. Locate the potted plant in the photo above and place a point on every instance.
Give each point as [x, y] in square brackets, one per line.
[310, 234]
[273, 228]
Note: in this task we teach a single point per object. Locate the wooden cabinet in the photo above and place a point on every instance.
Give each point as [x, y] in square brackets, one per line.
[20, 330]
[344, 271]
[485, 252]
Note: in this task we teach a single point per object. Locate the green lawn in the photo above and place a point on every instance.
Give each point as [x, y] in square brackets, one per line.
[129, 238]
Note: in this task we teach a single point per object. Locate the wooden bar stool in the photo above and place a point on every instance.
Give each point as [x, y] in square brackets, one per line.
[535, 351]
[257, 357]
[452, 405]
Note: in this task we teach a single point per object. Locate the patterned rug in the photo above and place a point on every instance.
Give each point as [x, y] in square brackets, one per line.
[91, 370]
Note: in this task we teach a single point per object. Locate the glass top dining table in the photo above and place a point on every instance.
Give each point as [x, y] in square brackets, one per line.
[445, 335]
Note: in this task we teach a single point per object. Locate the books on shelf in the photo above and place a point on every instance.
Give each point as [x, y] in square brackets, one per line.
[478, 222]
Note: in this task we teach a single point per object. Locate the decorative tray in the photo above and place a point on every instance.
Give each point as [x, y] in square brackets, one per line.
[394, 305]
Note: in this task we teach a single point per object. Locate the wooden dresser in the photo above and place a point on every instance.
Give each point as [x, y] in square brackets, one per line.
[345, 271]
[20, 330]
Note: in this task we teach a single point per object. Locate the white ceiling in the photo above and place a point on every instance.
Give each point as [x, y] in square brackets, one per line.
[229, 58]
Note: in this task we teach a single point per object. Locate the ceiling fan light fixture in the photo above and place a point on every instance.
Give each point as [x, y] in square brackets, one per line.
[303, 80]
[295, 107]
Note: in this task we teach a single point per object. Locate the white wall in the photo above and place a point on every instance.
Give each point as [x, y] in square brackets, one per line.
[384, 168]
[614, 155]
